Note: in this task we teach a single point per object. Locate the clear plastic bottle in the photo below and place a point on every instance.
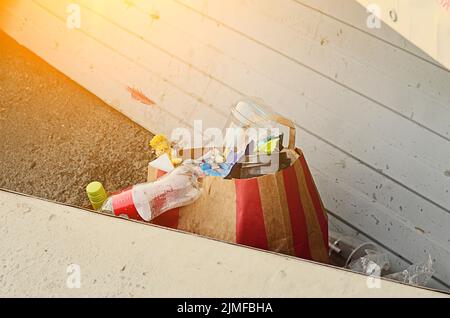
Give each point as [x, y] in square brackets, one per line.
[147, 201]
[250, 119]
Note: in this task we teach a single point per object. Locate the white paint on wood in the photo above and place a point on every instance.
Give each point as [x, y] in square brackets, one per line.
[356, 16]
[376, 166]
[424, 23]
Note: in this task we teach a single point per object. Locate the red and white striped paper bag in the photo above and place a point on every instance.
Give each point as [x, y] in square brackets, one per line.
[280, 212]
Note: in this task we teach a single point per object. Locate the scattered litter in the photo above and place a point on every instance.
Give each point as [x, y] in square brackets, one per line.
[161, 145]
[416, 274]
[345, 249]
[373, 262]
[163, 163]
[367, 258]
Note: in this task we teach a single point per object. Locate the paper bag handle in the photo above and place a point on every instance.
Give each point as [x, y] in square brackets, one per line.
[290, 124]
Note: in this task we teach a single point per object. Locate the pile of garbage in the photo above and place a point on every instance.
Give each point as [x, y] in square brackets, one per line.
[367, 258]
[252, 147]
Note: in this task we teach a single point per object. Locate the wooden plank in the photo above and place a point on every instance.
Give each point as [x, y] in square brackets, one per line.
[161, 65]
[430, 221]
[370, 217]
[355, 15]
[416, 20]
[391, 77]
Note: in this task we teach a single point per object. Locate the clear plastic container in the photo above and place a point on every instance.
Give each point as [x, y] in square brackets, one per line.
[251, 127]
[250, 120]
[346, 249]
[251, 113]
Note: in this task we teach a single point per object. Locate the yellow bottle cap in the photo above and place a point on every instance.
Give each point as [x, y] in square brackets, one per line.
[96, 194]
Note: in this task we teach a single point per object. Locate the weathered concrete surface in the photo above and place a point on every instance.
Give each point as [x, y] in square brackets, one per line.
[39, 240]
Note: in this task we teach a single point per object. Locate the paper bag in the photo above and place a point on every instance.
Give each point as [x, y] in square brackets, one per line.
[280, 212]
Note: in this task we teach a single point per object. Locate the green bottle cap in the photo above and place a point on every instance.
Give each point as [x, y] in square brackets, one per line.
[96, 194]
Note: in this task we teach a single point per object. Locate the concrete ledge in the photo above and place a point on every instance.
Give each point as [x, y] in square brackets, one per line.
[40, 239]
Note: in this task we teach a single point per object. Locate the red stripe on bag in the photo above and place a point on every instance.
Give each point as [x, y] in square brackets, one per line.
[298, 221]
[250, 228]
[316, 201]
[169, 218]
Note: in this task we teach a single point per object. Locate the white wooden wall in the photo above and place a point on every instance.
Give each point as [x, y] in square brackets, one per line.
[426, 23]
[372, 110]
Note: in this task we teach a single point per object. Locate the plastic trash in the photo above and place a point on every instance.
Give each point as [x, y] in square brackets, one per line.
[357, 255]
[374, 262]
[214, 164]
[161, 146]
[345, 249]
[270, 144]
[253, 146]
[96, 194]
[162, 163]
[250, 120]
[366, 257]
[416, 274]
[149, 200]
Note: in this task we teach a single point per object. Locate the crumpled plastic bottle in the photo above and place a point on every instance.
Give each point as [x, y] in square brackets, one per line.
[416, 274]
[366, 264]
[147, 201]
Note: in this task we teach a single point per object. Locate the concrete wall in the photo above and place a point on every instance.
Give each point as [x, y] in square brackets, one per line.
[42, 241]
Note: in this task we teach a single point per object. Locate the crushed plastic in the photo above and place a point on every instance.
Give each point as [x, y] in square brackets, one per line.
[416, 274]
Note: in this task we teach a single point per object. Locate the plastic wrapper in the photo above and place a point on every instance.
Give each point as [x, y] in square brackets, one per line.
[416, 274]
